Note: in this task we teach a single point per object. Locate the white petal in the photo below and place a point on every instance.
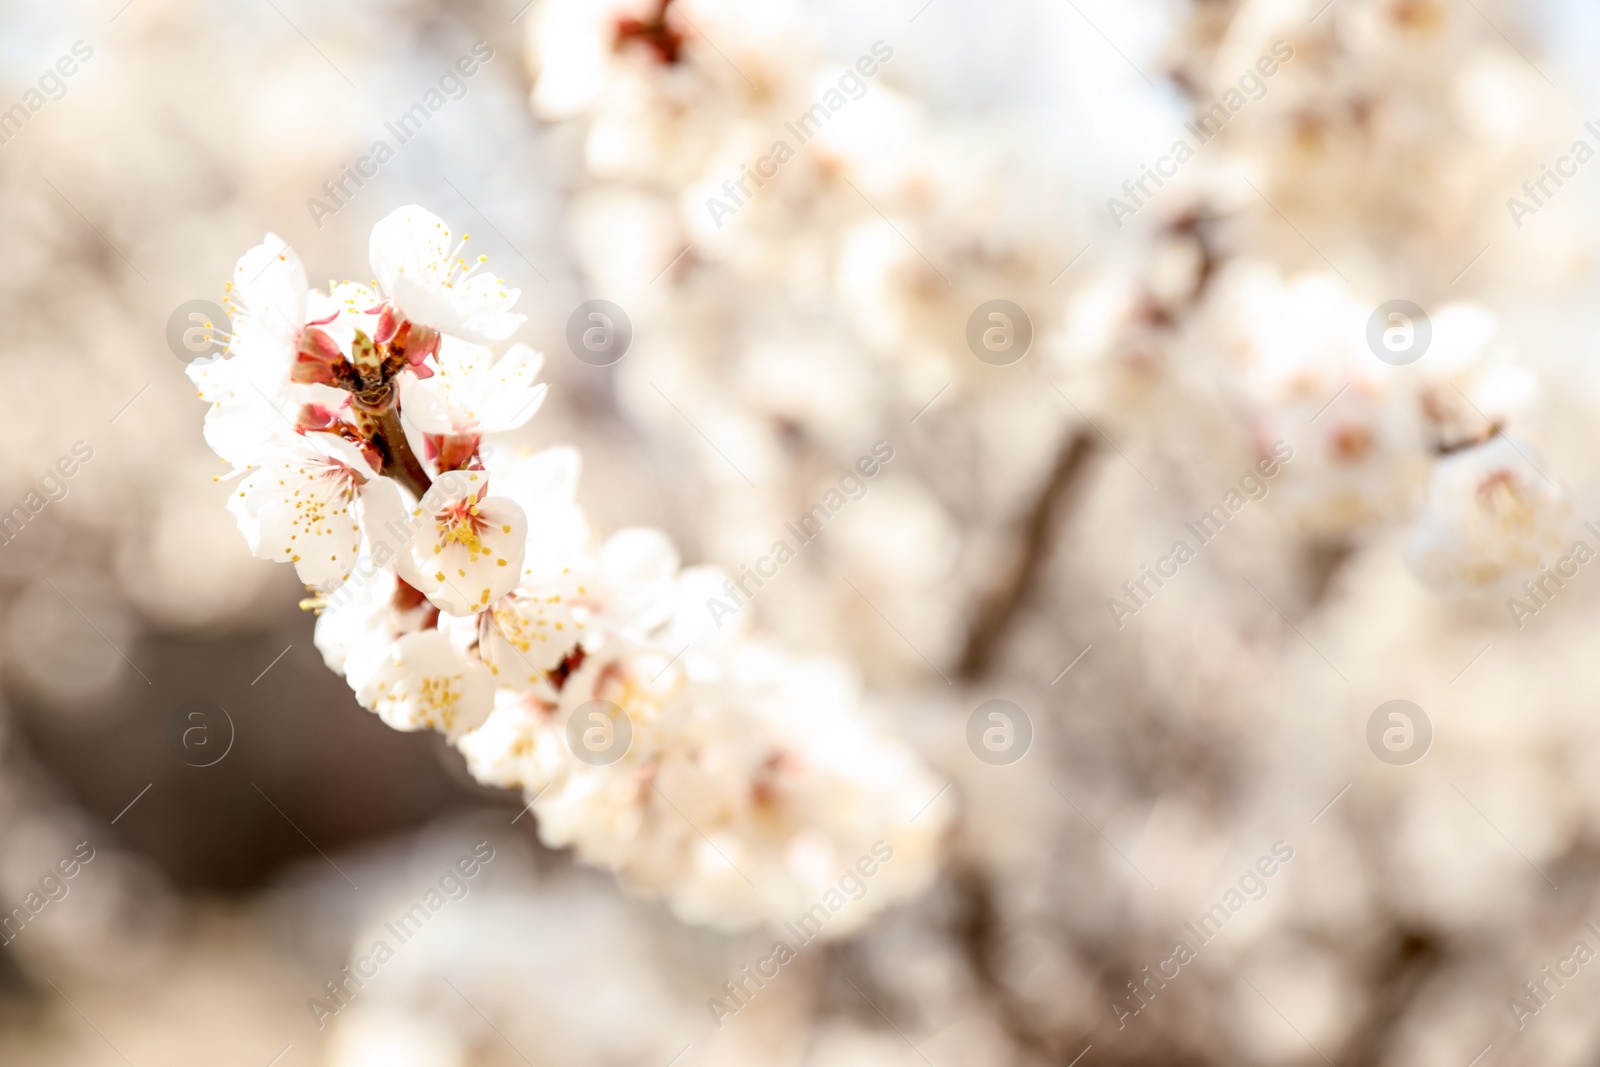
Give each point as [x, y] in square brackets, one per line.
[351, 302]
[386, 520]
[297, 508]
[475, 393]
[424, 683]
[352, 631]
[270, 291]
[694, 619]
[409, 246]
[314, 529]
[530, 632]
[411, 252]
[465, 561]
[244, 433]
[537, 479]
[482, 305]
[248, 365]
[639, 568]
[543, 484]
[426, 403]
[255, 402]
[511, 397]
[336, 449]
[638, 555]
[507, 750]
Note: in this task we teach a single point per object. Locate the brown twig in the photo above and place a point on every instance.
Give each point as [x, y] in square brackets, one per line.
[994, 618]
[976, 929]
[1411, 959]
[382, 414]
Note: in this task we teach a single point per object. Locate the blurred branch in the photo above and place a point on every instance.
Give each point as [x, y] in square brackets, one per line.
[1412, 959]
[995, 617]
[977, 932]
[978, 929]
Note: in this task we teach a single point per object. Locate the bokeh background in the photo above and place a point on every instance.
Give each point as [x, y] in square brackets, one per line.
[1168, 750]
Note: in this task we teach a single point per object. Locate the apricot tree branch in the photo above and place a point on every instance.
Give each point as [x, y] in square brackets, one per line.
[1037, 529]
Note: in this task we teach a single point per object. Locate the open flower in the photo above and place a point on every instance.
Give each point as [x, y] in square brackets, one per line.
[268, 297]
[530, 631]
[474, 393]
[417, 267]
[467, 548]
[249, 387]
[638, 579]
[544, 483]
[300, 505]
[1492, 518]
[424, 682]
[577, 48]
[361, 619]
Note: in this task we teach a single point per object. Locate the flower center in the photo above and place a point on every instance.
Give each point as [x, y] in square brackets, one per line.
[440, 697]
[1502, 496]
[462, 525]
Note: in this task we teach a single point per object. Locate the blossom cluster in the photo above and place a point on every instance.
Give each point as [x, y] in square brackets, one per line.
[1263, 312]
[1433, 443]
[458, 590]
[801, 241]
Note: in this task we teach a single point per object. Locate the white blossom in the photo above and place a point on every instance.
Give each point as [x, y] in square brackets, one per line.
[301, 505]
[468, 548]
[423, 273]
[1492, 518]
[475, 393]
[424, 683]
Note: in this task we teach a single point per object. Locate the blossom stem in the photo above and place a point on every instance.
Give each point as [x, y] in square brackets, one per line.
[389, 436]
